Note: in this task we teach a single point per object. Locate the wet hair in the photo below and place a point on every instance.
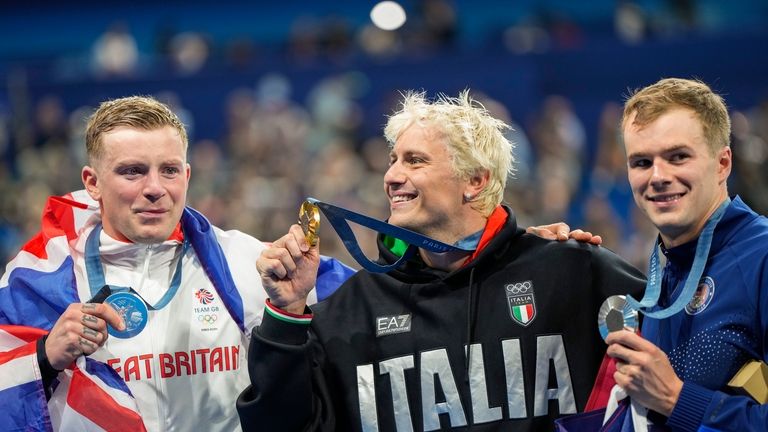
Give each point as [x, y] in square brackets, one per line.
[650, 103]
[475, 140]
[140, 112]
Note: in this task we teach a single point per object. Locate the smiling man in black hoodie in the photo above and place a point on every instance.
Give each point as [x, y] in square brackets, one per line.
[502, 336]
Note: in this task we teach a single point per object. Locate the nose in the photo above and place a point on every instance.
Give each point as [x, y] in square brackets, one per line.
[393, 176]
[153, 187]
[659, 175]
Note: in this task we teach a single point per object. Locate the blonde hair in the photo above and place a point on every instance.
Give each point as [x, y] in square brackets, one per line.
[651, 102]
[475, 140]
[141, 112]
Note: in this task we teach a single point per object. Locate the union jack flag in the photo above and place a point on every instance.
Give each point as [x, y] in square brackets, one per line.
[37, 287]
[89, 395]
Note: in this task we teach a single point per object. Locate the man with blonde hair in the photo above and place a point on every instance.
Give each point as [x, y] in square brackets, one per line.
[706, 316]
[500, 335]
[180, 295]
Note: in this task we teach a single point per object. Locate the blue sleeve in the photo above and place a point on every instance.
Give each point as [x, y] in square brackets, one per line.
[330, 275]
[699, 409]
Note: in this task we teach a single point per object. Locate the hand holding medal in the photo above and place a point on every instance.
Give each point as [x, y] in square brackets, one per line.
[288, 267]
[80, 330]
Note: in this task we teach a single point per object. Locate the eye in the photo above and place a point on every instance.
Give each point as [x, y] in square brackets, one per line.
[171, 171]
[679, 157]
[415, 160]
[639, 163]
[131, 171]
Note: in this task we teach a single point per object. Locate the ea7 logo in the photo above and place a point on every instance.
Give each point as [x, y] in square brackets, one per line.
[522, 305]
[387, 325]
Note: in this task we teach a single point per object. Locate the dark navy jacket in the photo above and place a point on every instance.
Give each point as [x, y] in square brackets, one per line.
[724, 326]
[507, 342]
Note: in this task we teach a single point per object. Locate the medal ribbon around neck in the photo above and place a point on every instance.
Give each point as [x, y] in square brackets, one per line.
[93, 267]
[653, 286]
[338, 217]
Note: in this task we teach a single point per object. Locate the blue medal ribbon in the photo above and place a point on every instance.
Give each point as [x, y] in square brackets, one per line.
[653, 286]
[95, 271]
[339, 216]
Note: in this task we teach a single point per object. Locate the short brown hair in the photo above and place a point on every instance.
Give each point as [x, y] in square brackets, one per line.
[651, 102]
[141, 112]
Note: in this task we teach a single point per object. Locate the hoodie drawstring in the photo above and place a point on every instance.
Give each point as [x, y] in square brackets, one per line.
[470, 335]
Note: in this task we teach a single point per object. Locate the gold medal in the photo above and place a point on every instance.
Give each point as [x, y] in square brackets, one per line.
[309, 219]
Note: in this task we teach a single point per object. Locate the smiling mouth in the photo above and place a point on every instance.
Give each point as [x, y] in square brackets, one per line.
[402, 198]
[666, 198]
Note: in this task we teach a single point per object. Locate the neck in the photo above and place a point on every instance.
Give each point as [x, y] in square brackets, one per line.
[447, 261]
[450, 261]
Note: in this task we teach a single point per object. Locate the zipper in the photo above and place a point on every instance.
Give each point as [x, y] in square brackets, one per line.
[155, 345]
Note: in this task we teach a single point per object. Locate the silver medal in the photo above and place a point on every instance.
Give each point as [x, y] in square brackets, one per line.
[132, 310]
[616, 314]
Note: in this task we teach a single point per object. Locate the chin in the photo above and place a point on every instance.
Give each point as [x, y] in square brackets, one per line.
[395, 220]
[154, 236]
[148, 240]
[673, 229]
[403, 223]
[665, 219]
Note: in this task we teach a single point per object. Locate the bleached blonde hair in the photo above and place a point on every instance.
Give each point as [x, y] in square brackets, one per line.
[475, 139]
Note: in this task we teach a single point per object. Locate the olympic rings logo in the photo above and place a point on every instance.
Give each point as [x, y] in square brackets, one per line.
[519, 288]
[207, 318]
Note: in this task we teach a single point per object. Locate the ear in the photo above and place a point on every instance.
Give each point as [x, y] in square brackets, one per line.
[477, 182]
[724, 164]
[189, 172]
[91, 182]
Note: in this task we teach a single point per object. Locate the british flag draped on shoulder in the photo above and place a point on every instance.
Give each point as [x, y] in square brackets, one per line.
[36, 288]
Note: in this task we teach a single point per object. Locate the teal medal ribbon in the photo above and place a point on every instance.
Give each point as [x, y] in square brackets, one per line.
[653, 286]
[125, 300]
[338, 217]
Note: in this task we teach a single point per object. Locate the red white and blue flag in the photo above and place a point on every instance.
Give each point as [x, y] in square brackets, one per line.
[36, 288]
[89, 395]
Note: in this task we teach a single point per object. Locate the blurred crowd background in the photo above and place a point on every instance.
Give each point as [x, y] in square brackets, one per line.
[287, 100]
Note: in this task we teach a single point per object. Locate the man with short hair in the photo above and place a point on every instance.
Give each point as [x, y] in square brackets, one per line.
[676, 134]
[500, 335]
[184, 291]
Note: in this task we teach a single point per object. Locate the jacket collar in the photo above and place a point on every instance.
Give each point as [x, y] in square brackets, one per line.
[498, 232]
